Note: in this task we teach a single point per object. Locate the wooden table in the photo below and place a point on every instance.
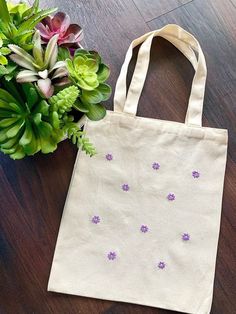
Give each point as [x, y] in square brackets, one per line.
[33, 190]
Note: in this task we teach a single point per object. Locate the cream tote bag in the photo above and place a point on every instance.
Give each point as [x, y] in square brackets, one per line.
[141, 220]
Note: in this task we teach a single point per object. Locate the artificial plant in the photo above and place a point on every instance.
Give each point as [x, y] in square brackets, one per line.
[45, 77]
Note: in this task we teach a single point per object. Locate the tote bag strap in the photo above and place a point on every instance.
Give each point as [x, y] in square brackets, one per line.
[187, 44]
[120, 91]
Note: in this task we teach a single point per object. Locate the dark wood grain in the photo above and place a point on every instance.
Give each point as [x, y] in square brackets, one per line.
[33, 190]
[150, 9]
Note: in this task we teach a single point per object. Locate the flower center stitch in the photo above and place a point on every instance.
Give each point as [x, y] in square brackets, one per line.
[111, 256]
[185, 237]
[161, 265]
[195, 174]
[155, 165]
[144, 228]
[95, 219]
[109, 157]
[125, 187]
[171, 197]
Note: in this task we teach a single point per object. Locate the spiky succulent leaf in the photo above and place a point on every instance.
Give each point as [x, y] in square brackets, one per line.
[64, 100]
[4, 13]
[78, 138]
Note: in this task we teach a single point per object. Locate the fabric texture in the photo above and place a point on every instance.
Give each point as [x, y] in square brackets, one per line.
[141, 220]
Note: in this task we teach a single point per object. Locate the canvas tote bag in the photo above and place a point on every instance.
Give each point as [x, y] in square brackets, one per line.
[141, 220]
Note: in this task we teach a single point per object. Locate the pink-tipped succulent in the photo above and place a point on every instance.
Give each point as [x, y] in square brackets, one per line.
[69, 35]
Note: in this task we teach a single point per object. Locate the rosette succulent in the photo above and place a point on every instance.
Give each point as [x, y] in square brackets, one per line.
[69, 35]
[44, 80]
[42, 66]
[88, 72]
[30, 124]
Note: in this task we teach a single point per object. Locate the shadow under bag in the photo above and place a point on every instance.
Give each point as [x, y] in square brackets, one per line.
[141, 220]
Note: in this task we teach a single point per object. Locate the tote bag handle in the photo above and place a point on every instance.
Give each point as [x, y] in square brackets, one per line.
[187, 44]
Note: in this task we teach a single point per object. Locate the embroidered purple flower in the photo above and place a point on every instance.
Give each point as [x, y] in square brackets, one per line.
[161, 265]
[185, 237]
[144, 228]
[109, 157]
[171, 197]
[155, 165]
[195, 174]
[111, 256]
[125, 187]
[95, 219]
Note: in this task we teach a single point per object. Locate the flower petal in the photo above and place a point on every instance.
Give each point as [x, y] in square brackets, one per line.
[44, 31]
[74, 29]
[60, 21]
[46, 88]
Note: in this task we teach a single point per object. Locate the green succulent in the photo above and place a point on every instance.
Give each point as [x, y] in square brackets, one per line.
[17, 23]
[42, 66]
[30, 125]
[3, 52]
[87, 71]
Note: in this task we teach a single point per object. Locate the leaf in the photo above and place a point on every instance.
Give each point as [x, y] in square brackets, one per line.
[78, 105]
[22, 38]
[105, 90]
[37, 49]
[12, 91]
[34, 20]
[51, 52]
[5, 96]
[5, 51]
[32, 10]
[55, 120]
[8, 122]
[103, 73]
[47, 145]
[4, 113]
[4, 14]
[27, 135]
[22, 53]
[45, 87]
[3, 60]
[15, 128]
[26, 76]
[44, 129]
[70, 66]
[91, 97]
[33, 147]
[80, 52]
[10, 143]
[19, 153]
[11, 71]
[3, 70]
[63, 53]
[96, 112]
[31, 94]
[42, 107]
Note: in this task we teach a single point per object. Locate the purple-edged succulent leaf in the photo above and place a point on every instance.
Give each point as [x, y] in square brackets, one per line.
[51, 52]
[45, 87]
[26, 76]
[69, 35]
[37, 49]
[22, 62]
